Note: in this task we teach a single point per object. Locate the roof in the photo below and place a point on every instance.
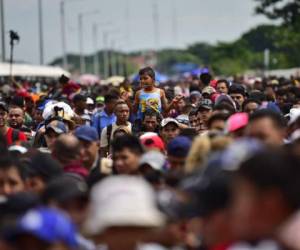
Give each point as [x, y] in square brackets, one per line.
[25, 70]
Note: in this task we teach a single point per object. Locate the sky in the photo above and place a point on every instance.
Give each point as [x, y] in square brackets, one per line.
[129, 23]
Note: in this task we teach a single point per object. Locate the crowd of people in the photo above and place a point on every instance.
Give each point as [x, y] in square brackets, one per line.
[200, 163]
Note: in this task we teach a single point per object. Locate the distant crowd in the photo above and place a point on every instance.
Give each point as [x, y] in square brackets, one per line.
[198, 163]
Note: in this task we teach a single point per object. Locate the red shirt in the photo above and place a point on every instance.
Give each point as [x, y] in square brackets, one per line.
[9, 136]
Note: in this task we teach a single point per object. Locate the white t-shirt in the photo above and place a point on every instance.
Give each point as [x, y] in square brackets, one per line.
[103, 140]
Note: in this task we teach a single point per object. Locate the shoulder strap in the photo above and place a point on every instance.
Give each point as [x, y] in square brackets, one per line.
[15, 135]
[108, 134]
[98, 116]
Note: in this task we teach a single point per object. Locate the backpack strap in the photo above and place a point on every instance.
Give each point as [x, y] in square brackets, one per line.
[15, 135]
[99, 124]
[108, 134]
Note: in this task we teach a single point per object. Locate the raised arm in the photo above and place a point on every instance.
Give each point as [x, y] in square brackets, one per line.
[167, 107]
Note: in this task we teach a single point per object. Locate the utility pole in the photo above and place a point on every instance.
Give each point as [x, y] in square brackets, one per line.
[266, 61]
[63, 33]
[105, 55]
[155, 16]
[113, 58]
[80, 39]
[63, 30]
[41, 40]
[96, 56]
[2, 20]
[174, 22]
[120, 62]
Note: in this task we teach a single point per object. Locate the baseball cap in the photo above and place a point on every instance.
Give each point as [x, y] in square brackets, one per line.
[89, 100]
[61, 109]
[46, 224]
[3, 106]
[86, 133]
[225, 98]
[65, 188]
[154, 159]
[293, 115]
[183, 119]
[168, 120]
[206, 104]
[195, 93]
[152, 140]
[179, 146]
[100, 99]
[122, 201]
[236, 121]
[57, 126]
[208, 90]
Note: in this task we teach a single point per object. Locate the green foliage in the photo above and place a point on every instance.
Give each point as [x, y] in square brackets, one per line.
[229, 58]
[286, 11]
[167, 58]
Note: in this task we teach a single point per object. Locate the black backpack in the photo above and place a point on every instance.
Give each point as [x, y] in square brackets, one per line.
[15, 135]
[108, 134]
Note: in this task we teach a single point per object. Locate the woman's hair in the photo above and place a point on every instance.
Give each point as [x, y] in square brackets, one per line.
[201, 148]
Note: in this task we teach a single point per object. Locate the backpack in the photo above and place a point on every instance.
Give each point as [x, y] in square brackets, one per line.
[15, 135]
[108, 134]
[98, 123]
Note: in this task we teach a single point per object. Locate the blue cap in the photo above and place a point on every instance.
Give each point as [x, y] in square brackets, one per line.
[57, 126]
[48, 225]
[86, 133]
[179, 146]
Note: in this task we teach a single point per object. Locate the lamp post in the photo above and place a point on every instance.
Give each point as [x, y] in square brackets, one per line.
[80, 38]
[2, 20]
[63, 30]
[107, 57]
[96, 56]
[155, 17]
[41, 38]
[174, 22]
[95, 32]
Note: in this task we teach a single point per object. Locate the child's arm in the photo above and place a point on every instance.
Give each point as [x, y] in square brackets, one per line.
[164, 102]
[136, 103]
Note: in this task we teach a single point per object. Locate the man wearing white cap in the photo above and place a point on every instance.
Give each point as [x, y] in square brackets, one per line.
[122, 212]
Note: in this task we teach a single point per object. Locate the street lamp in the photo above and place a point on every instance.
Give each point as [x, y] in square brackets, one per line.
[41, 40]
[80, 36]
[63, 30]
[2, 29]
[108, 57]
[95, 41]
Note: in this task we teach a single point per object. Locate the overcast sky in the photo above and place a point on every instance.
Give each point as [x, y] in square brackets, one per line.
[197, 20]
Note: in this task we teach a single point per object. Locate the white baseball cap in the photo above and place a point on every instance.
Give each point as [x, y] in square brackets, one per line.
[154, 159]
[89, 100]
[122, 201]
[293, 115]
[168, 120]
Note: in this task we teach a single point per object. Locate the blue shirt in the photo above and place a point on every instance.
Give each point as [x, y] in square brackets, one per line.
[102, 120]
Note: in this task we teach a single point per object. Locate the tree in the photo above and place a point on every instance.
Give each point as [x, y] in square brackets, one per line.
[202, 51]
[287, 11]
